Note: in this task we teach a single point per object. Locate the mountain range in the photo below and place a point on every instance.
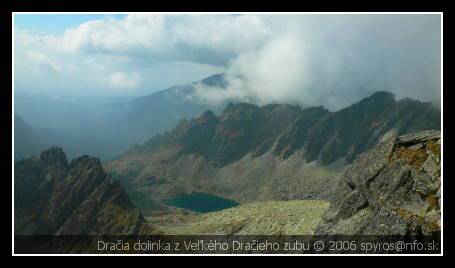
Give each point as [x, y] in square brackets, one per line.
[371, 168]
[273, 152]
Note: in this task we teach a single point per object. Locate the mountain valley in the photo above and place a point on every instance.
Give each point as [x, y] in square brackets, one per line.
[269, 153]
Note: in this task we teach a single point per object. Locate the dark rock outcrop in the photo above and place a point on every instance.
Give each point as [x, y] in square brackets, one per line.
[53, 196]
[392, 189]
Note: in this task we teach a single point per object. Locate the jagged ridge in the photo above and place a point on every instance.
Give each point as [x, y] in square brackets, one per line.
[325, 136]
[53, 196]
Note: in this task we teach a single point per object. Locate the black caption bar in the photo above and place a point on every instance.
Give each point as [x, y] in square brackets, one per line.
[219, 244]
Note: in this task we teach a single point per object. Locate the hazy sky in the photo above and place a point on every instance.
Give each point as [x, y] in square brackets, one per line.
[330, 60]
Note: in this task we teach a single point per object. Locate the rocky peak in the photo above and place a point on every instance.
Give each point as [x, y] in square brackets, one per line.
[54, 197]
[54, 157]
[381, 96]
[235, 108]
[194, 135]
[376, 103]
[316, 109]
[86, 162]
[216, 80]
[54, 163]
[279, 107]
[207, 115]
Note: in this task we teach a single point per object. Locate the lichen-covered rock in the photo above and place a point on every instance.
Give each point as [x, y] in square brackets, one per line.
[54, 197]
[392, 189]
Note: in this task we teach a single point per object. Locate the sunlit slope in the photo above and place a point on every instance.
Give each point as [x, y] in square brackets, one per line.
[298, 217]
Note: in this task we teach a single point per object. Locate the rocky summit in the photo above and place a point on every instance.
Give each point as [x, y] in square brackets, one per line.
[393, 189]
[52, 196]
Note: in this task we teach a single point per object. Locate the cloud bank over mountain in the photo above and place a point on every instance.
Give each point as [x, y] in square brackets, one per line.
[330, 60]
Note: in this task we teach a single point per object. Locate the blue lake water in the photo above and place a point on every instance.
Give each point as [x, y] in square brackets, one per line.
[201, 202]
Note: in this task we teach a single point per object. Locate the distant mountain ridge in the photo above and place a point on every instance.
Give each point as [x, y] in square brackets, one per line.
[107, 127]
[325, 136]
[149, 115]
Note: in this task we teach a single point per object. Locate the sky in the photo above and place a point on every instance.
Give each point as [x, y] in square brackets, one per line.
[308, 59]
[56, 23]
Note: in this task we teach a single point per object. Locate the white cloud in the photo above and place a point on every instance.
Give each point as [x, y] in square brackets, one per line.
[124, 81]
[115, 36]
[211, 39]
[332, 60]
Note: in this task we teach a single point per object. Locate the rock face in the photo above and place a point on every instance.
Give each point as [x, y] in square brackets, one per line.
[53, 196]
[391, 189]
[273, 152]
